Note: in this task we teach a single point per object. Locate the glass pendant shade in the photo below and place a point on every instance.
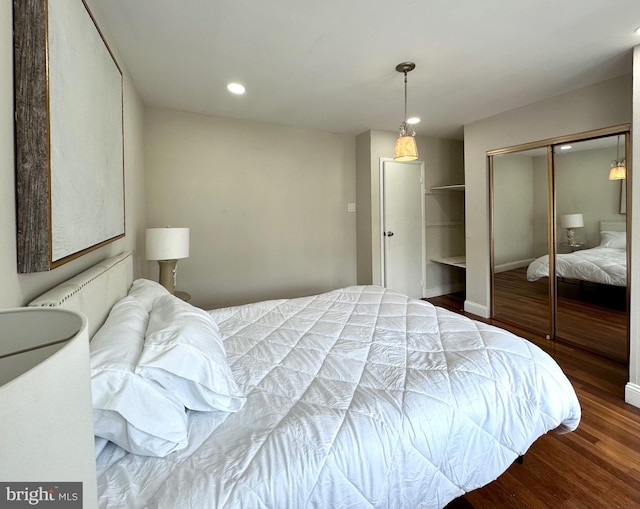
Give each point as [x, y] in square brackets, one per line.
[406, 148]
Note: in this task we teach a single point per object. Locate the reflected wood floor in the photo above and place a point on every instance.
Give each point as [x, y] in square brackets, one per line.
[595, 467]
[591, 316]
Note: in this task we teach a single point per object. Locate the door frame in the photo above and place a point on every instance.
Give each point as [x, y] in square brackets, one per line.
[383, 160]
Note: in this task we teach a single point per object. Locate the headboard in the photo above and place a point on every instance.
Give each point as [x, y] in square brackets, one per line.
[613, 226]
[94, 291]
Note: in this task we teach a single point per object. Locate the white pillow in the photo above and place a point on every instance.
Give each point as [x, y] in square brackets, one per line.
[614, 239]
[184, 354]
[147, 291]
[131, 411]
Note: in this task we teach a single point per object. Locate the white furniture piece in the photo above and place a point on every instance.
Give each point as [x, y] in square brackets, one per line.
[46, 422]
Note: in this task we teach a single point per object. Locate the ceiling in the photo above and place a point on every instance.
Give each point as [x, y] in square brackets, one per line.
[330, 64]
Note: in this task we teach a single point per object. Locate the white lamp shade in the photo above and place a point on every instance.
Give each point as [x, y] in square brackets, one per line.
[571, 221]
[167, 243]
[46, 415]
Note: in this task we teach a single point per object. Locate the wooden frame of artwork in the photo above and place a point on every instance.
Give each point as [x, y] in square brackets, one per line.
[69, 134]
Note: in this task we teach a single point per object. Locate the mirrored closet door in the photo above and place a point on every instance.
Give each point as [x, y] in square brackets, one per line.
[520, 234]
[559, 229]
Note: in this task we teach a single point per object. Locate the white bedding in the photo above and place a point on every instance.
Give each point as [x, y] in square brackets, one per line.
[604, 265]
[356, 398]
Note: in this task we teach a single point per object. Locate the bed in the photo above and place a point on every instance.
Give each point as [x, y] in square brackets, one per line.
[604, 264]
[357, 397]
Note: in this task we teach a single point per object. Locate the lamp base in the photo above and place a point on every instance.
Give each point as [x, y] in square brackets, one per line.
[571, 236]
[168, 271]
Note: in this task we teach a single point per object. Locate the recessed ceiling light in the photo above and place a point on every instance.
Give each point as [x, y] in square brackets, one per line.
[235, 88]
[565, 147]
[413, 120]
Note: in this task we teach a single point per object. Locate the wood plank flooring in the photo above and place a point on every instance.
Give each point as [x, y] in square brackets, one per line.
[595, 467]
[590, 316]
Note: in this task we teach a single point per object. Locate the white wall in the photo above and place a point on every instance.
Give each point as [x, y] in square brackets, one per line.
[17, 289]
[513, 209]
[597, 106]
[266, 205]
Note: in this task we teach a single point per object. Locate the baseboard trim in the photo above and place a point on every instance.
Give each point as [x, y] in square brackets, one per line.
[476, 309]
[632, 394]
[513, 265]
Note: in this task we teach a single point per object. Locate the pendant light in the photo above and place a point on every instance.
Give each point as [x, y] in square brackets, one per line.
[618, 169]
[406, 148]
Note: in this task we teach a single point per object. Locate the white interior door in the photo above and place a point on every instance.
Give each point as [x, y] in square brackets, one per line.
[403, 236]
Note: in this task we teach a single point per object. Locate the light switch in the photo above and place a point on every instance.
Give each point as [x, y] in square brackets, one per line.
[351, 207]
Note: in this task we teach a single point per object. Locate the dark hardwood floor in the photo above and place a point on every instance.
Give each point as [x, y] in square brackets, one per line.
[589, 316]
[595, 467]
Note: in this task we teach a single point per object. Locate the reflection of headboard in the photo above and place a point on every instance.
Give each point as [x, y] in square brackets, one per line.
[94, 291]
[613, 226]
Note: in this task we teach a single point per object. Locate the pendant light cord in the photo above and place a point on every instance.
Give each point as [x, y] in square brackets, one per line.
[405, 97]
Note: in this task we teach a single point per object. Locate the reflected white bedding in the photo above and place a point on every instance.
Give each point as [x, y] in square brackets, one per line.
[358, 398]
[604, 265]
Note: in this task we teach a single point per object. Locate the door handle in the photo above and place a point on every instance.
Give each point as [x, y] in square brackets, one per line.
[389, 234]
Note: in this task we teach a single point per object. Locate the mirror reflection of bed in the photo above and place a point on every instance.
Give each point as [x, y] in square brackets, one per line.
[590, 307]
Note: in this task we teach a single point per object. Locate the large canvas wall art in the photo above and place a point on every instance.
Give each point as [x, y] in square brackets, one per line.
[69, 134]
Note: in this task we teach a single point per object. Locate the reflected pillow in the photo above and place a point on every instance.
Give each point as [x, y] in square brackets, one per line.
[616, 240]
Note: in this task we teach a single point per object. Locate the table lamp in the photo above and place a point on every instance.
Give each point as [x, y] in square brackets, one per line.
[570, 222]
[46, 416]
[167, 246]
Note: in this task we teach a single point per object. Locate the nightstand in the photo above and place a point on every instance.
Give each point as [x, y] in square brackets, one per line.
[564, 247]
[578, 247]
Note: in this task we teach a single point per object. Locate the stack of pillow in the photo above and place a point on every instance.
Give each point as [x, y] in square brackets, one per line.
[155, 357]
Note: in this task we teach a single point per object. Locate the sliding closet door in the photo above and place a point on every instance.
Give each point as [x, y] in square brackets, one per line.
[520, 211]
[591, 282]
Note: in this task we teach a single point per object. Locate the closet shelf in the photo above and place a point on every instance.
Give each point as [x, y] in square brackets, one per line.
[454, 187]
[454, 261]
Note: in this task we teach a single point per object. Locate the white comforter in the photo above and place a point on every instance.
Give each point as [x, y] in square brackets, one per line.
[603, 265]
[357, 398]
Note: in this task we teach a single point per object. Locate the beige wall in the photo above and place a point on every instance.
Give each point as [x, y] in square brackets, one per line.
[513, 203]
[364, 226]
[266, 205]
[17, 289]
[600, 105]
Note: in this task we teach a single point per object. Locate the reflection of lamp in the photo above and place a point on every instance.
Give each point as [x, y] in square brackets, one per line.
[45, 397]
[618, 169]
[167, 245]
[406, 149]
[571, 221]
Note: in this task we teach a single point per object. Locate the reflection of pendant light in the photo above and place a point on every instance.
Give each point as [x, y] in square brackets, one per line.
[618, 170]
[406, 149]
